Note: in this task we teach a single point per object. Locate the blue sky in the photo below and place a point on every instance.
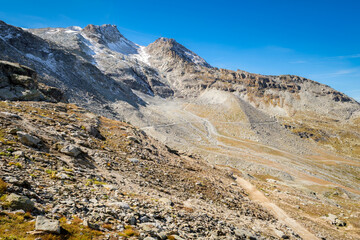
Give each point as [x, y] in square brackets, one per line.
[317, 39]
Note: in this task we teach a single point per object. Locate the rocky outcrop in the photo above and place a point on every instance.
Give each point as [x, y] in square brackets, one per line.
[15, 202]
[28, 139]
[71, 150]
[18, 82]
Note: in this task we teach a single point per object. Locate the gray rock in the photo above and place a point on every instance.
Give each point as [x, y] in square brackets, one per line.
[339, 223]
[148, 227]
[28, 139]
[132, 220]
[62, 176]
[144, 219]
[13, 130]
[11, 179]
[132, 138]
[18, 211]
[334, 220]
[16, 201]
[162, 235]
[91, 225]
[19, 153]
[19, 82]
[71, 150]
[166, 201]
[93, 131]
[47, 225]
[240, 233]
[332, 217]
[133, 160]
[10, 115]
[122, 205]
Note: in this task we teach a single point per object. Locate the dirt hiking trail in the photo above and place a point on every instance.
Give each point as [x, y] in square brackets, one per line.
[280, 214]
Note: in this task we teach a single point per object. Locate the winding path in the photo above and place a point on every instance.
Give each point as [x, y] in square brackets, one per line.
[280, 214]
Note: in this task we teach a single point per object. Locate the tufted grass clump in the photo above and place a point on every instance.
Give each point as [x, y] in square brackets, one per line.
[3, 186]
[94, 182]
[51, 173]
[8, 154]
[10, 149]
[14, 226]
[129, 232]
[107, 226]
[16, 164]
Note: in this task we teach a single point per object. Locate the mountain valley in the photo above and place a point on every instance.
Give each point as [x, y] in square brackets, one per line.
[117, 140]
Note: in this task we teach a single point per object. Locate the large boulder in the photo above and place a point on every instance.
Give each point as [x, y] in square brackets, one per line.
[44, 224]
[15, 201]
[93, 131]
[28, 139]
[71, 150]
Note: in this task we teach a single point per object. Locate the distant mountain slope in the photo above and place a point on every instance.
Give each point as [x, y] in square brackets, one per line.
[107, 49]
[81, 81]
[280, 95]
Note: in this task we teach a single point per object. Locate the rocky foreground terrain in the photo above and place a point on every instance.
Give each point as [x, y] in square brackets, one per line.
[102, 138]
[99, 178]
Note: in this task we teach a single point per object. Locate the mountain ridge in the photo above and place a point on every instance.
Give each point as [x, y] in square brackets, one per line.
[165, 69]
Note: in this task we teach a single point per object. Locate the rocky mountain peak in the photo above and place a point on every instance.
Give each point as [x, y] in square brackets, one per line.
[166, 40]
[106, 32]
[171, 47]
[110, 36]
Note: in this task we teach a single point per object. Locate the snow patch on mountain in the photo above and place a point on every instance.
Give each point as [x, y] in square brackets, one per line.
[9, 35]
[74, 28]
[123, 46]
[142, 55]
[195, 58]
[50, 62]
